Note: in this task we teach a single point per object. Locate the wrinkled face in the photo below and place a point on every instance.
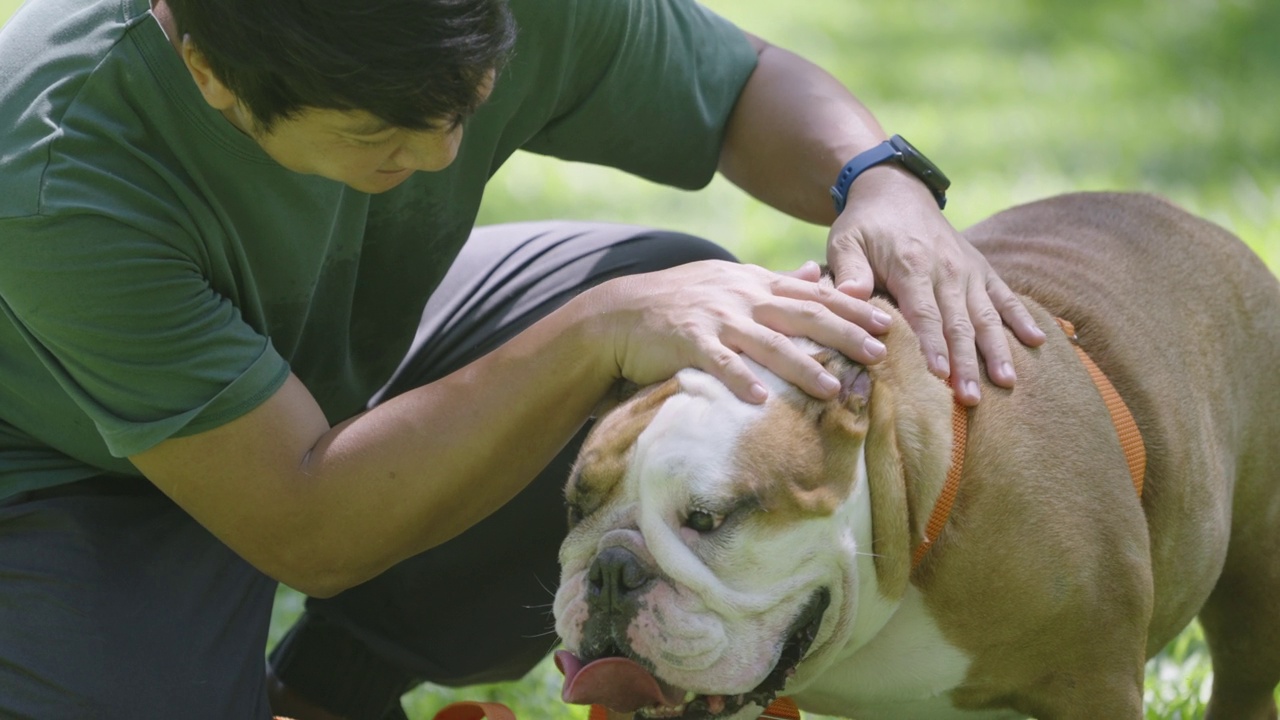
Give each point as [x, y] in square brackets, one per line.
[708, 555]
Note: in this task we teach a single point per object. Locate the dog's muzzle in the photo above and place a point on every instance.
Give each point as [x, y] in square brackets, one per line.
[606, 671]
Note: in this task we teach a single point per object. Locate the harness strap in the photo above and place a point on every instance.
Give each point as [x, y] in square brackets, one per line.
[1135, 453]
[950, 488]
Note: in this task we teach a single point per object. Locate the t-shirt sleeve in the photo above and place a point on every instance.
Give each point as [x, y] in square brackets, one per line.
[647, 87]
[131, 330]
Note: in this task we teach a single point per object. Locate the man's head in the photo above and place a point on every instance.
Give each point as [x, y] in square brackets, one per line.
[384, 84]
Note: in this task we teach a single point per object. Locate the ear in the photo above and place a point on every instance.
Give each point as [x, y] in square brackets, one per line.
[890, 506]
[215, 93]
[842, 426]
[851, 424]
[855, 381]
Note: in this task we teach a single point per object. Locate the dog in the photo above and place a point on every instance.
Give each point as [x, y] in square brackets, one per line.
[721, 553]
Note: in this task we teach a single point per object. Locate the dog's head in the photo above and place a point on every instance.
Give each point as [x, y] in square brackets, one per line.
[710, 557]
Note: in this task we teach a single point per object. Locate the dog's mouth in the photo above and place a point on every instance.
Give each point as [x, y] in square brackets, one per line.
[624, 684]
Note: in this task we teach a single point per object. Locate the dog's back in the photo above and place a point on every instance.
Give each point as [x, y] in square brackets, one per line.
[1180, 315]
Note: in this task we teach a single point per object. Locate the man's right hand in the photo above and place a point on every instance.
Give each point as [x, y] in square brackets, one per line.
[704, 314]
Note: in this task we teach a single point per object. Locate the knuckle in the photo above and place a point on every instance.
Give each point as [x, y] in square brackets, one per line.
[714, 354]
[776, 343]
[916, 257]
[923, 313]
[949, 269]
[961, 330]
[849, 239]
[812, 310]
[988, 317]
[724, 359]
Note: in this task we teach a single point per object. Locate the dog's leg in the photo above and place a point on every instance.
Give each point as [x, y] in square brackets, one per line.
[1241, 619]
[1242, 625]
[1109, 688]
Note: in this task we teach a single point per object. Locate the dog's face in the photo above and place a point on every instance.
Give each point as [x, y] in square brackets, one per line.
[707, 561]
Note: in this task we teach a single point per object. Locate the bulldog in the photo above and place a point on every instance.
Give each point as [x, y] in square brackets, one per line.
[722, 553]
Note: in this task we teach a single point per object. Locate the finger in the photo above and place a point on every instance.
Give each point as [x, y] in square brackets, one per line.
[813, 320]
[847, 261]
[963, 351]
[992, 340]
[1014, 313]
[810, 271]
[919, 306]
[727, 366]
[780, 355]
[855, 310]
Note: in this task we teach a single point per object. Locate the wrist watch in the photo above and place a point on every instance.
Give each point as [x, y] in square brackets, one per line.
[895, 149]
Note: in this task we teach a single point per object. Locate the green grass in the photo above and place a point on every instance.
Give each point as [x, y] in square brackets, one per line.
[1015, 100]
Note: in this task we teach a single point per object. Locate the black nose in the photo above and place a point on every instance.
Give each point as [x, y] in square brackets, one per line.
[615, 577]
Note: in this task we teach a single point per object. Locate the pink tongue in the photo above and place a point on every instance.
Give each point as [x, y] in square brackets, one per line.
[619, 684]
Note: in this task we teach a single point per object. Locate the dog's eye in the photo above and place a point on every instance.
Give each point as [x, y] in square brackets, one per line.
[702, 521]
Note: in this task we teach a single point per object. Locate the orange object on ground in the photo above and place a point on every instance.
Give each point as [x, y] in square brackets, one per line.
[475, 711]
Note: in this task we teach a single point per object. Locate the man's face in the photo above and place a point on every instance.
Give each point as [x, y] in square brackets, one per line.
[355, 147]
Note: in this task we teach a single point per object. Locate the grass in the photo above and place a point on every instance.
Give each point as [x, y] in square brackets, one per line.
[1015, 100]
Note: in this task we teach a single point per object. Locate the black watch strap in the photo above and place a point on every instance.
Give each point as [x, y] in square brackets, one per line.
[898, 150]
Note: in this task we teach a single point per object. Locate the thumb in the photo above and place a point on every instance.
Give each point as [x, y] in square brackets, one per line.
[847, 260]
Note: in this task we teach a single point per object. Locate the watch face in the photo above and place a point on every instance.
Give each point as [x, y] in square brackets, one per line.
[920, 166]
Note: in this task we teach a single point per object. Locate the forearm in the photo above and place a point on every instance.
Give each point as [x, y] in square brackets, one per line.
[426, 465]
[323, 508]
[792, 129]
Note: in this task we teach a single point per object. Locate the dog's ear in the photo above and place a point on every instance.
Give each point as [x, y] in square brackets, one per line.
[855, 381]
[847, 423]
[842, 424]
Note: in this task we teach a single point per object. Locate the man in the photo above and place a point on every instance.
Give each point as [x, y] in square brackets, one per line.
[220, 224]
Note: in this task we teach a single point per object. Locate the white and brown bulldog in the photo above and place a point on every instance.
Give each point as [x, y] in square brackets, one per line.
[722, 553]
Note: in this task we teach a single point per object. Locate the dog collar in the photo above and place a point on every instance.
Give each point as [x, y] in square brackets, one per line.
[1135, 453]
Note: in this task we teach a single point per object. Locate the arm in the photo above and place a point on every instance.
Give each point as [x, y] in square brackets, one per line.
[322, 509]
[791, 132]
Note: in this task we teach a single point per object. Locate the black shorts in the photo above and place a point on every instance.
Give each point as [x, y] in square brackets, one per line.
[116, 604]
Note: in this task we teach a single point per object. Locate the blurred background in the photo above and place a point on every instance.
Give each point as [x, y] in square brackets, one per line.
[1015, 100]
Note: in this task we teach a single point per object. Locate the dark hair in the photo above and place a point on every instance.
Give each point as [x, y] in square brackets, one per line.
[416, 64]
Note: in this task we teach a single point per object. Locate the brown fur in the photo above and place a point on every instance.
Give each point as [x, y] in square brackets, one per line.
[602, 463]
[1052, 575]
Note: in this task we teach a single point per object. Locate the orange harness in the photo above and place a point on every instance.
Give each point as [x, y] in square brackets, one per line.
[1135, 453]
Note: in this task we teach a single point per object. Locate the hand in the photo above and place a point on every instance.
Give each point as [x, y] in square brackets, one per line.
[892, 235]
[705, 314]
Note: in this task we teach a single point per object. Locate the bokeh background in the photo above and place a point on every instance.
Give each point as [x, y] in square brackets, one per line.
[1015, 100]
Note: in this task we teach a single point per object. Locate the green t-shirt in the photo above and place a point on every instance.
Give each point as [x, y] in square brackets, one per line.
[160, 275]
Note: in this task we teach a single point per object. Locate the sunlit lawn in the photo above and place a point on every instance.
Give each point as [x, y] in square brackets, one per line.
[1015, 100]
